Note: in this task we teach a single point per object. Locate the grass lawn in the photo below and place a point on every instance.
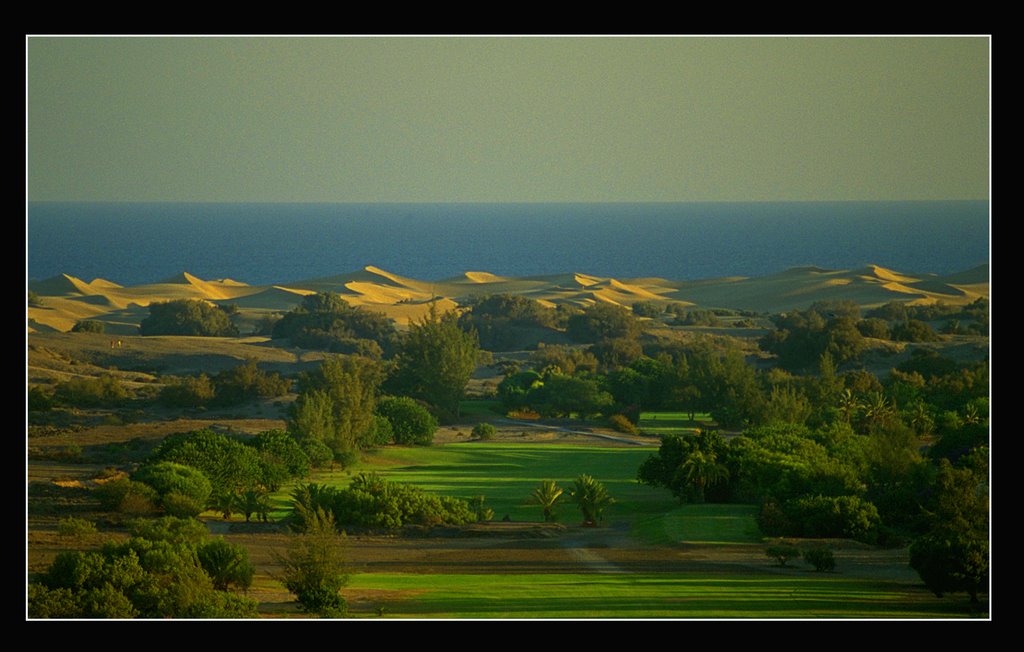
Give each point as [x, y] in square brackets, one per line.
[732, 595]
[506, 474]
[672, 423]
[705, 523]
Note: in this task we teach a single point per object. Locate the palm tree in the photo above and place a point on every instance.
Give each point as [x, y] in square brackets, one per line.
[255, 502]
[547, 494]
[703, 470]
[848, 404]
[591, 497]
[224, 501]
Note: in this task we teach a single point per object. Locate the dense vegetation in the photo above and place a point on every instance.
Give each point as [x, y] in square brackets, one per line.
[167, 569]
[187, 317]
[821, 445]
[326, 321]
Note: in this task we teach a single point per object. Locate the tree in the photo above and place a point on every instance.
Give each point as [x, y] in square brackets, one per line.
[187, 317]
[411, 423]
[702, 469]
[337, 403]
[87, 326]
[183, 490]
[436, 361]
[314, 568]
[547, 494]
[953, 555]
[591, 497]
[226, 564]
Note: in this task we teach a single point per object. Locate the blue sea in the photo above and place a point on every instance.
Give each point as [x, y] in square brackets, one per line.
[134, 243]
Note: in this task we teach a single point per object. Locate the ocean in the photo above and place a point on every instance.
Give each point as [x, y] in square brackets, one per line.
[135, 243]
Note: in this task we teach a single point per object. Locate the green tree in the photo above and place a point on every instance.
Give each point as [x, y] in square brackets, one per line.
[183, 490]
[337, 402]
[953, 555]
[411, 423]
[436, 361]
[702, 469]
[592, 498]
[226, 564]
[187, 317]
[88, 326]
[314, 567]
[547, 494]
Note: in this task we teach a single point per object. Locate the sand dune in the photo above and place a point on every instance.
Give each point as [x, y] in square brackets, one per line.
[67, 299]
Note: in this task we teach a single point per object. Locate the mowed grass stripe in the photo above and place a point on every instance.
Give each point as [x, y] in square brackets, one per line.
[645, 596]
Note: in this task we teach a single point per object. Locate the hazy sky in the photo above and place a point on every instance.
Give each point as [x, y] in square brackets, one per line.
[507, 119]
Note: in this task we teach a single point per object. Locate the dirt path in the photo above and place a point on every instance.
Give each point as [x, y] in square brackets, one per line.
[585, 545]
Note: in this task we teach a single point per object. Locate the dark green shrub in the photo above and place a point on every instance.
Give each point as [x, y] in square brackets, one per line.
[169, 528]
[187, 317]
[226, 564]
[127, 496]
[39, 400]
[73, 527]
[647, 309]
[411, 422]
[88, 326]
[821, 558]
[104, 391]
[187, 392]
[832, 516]
[782, 553]
[247, 382]
[381, 432]
[483, 431]
[914, 331]
[183, 490]
[874, 327]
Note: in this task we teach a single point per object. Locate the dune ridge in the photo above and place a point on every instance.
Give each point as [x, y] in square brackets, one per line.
[67, 299]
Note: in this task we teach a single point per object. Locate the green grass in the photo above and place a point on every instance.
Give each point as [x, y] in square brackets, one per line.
[704, 523]
[643, 595]
[506, 474]
[672, 423]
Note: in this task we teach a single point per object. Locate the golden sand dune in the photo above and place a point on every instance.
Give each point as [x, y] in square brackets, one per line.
[274, 298]
[67, 299]
[975, 276]
[483, 277]
[63, 284]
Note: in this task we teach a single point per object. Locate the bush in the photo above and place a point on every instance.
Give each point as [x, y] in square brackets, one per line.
[314, 568]
[39, 400]
[126, 496]
[410, 421]
[183, 490]
[247, 382]
[104, 390]
[821, 558]
[88, 326]
[483, 431]
[622, 424]
[782, 552]
[187, 317]
[73, 527]
[171, 529]
[187, 392]
[381, 432]
[832, 516]
[914, 331]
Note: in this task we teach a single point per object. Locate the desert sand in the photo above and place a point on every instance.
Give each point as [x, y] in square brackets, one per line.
[66, 299]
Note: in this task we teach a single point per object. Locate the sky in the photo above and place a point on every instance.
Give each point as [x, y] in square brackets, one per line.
[507, 119]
